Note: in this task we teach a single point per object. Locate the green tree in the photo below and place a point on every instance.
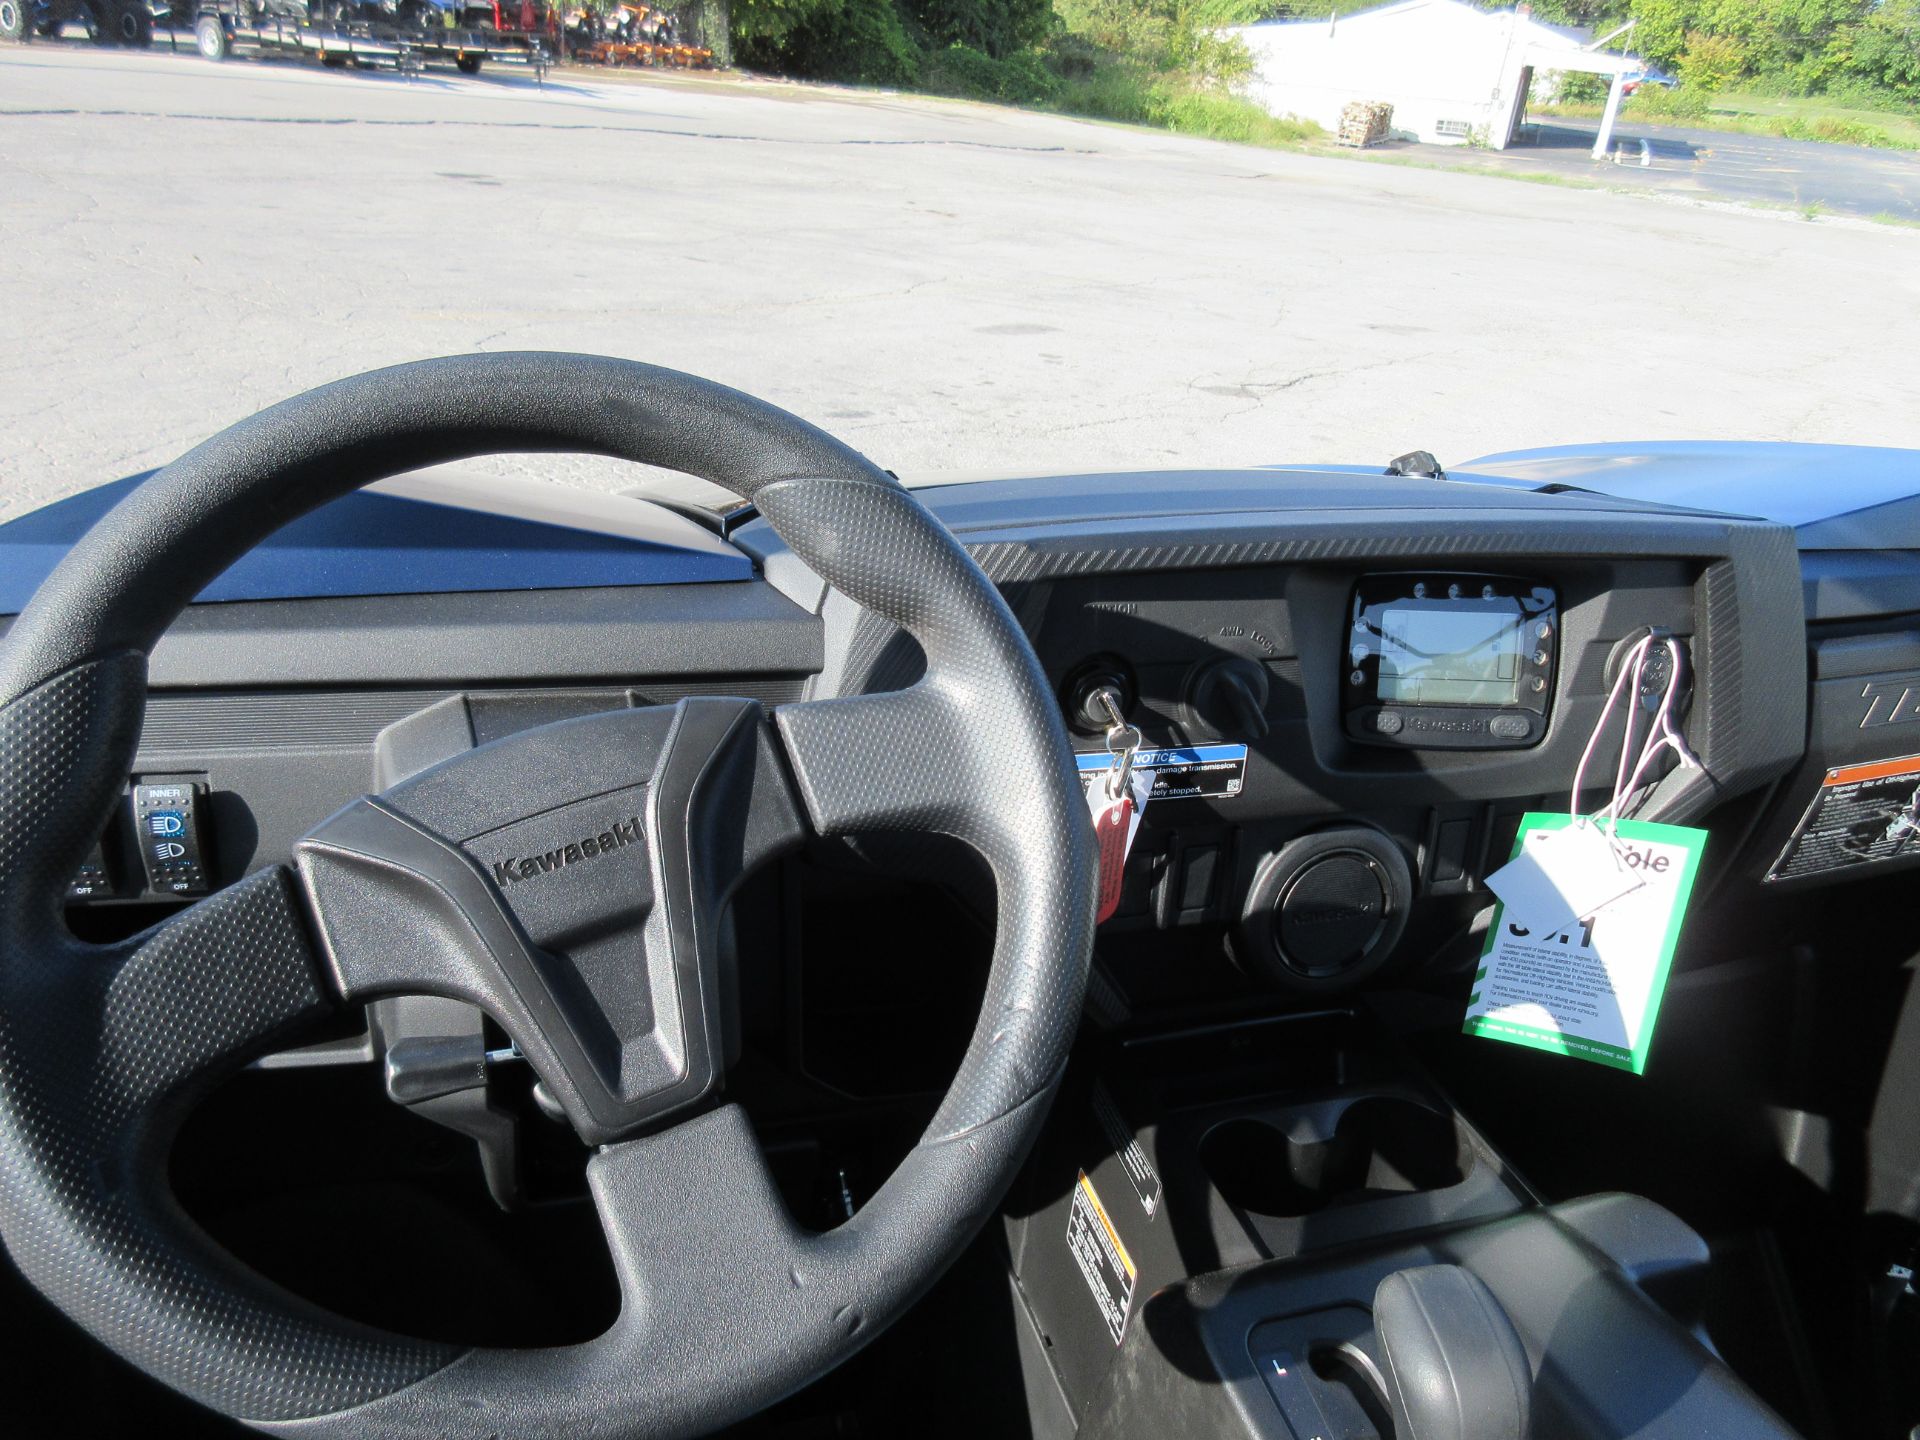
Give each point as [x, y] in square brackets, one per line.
[1885, 53]
[761, 28]
[995, 27]
[1711, 61]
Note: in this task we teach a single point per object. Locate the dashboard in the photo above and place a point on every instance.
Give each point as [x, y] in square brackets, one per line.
[1349, 686]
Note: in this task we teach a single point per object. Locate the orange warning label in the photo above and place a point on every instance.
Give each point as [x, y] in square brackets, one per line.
[1862, 814]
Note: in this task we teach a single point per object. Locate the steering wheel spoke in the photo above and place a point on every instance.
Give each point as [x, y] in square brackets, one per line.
[889, 762]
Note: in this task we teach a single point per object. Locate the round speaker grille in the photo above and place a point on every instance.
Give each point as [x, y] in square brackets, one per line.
[1326, 910]
[1331, 914]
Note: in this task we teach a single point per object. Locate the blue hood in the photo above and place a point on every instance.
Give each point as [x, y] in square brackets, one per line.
[1838, 497]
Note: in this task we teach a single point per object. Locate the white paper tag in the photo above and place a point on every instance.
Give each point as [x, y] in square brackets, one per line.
[1560, 877]
[1590, 988]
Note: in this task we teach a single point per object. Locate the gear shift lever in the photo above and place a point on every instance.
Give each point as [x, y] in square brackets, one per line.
[1453, 1366]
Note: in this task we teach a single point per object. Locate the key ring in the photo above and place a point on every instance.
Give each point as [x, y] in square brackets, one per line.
[1123, 743]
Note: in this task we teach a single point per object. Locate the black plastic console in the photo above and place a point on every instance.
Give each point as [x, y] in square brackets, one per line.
[1202, 1232]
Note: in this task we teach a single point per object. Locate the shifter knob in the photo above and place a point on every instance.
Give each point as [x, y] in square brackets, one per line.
[1229, 697]
[1453, 1366]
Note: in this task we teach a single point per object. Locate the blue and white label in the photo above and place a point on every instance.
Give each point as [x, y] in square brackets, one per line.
[1185, 772]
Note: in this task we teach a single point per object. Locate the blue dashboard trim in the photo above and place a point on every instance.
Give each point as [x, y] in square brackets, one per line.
[372, 544]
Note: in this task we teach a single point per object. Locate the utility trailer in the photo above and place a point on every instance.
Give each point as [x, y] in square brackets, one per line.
[344, 35]
[403, 35]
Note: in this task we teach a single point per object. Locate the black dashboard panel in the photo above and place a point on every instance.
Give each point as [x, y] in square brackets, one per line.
[550, 636]
[276, 710]
[1161, 580]
[1263, 565]
[283, 711]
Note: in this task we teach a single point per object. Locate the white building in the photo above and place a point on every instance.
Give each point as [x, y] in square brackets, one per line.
[1455, 74]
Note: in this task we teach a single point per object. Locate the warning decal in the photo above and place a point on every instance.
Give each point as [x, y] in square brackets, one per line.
[1860, 815]
[1102, 1259]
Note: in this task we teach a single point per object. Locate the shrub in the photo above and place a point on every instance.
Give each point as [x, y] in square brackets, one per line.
[761, 28]
[1000, 28]
[1110, 92]
[1577, 87]
[858, 40]
[1711, 61]
[1833, 131]
[1020, 79]
[1855, 95]
[1657, 102]
[1225, 117]
[1886, 52]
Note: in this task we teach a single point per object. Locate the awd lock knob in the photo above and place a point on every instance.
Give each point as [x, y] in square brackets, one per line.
[1229, 698]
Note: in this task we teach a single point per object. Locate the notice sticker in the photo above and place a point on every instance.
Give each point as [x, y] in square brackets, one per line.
[1103, 1260]
[1860, 815]
[1182, 772]
[1590, 988]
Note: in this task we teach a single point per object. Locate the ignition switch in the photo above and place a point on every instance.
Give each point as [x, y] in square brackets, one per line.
[1080, 695]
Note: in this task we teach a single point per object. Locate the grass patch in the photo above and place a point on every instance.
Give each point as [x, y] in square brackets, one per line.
[1117, 92]
[1161, 63]
[1817, 118]
[1782, 118]
[1887, 217]
[1226, 117]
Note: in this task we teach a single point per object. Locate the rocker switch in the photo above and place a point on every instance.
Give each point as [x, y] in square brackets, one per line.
[167, 819]
[93, 881]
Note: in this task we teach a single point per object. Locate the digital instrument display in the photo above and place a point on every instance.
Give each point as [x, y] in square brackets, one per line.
[1450, 661]
[1449, 656]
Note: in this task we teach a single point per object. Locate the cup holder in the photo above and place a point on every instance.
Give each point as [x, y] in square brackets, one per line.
[1377, 1146]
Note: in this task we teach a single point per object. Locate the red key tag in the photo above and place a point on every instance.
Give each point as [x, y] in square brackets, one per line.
[1115, 823]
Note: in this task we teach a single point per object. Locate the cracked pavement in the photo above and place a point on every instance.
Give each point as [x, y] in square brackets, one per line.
[947, 286]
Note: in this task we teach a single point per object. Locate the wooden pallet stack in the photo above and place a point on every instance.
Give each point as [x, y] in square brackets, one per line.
[1364, 123]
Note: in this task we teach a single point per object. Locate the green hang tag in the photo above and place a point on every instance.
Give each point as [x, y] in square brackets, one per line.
[1591, 987]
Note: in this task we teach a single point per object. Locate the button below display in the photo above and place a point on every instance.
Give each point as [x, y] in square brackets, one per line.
[1450, 851]
[1510, 727]
[1196, 877]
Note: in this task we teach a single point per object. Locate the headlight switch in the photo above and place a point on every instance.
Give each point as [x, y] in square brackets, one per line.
[166, 817]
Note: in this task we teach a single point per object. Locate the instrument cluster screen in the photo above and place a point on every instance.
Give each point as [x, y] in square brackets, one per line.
[1450, 661]
[1438, 655]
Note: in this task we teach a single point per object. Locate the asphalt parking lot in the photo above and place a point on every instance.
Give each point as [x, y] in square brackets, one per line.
[1712, 164]
[948, 286]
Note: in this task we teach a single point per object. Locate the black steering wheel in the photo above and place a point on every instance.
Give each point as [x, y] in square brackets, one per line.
[570, 881]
